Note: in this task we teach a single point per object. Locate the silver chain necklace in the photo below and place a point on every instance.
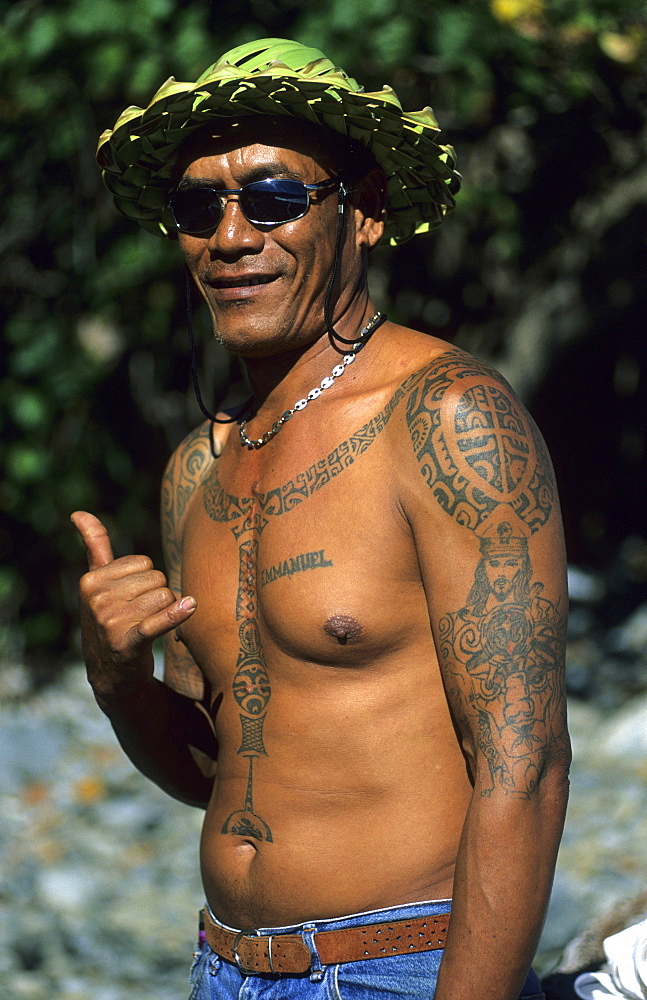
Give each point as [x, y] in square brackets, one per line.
[325, 383]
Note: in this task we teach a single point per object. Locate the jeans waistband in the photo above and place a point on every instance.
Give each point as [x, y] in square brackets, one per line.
[308, 946]
[401, 911]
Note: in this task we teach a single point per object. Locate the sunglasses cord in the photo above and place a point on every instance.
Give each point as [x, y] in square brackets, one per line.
[332, 333]
[194, 365]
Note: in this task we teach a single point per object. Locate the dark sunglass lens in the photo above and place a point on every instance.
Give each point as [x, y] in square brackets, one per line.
[274, 201]
[196, 210]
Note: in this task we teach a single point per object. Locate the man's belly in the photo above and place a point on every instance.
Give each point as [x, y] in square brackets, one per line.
[335, 820]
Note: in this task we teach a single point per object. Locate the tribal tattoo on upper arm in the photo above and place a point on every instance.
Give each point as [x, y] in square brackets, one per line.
[502, 653]
[182, 478]
[489, 453]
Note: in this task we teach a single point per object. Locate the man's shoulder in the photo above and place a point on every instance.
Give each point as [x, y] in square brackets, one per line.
[187, 468]
[435, 371]
[473, 442]
[198, 449]
[424, 354]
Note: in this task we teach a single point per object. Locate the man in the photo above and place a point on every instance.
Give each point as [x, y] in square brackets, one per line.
[362, 685]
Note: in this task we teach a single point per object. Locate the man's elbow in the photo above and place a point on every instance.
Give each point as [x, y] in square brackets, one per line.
[554, 782]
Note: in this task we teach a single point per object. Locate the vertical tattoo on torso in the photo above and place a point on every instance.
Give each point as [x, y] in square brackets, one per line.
[247, 518]
[252, 692]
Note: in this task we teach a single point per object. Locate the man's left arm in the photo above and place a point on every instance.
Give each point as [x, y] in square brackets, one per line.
[488, 533]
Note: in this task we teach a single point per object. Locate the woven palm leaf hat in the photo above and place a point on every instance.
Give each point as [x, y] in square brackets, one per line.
[273, 76]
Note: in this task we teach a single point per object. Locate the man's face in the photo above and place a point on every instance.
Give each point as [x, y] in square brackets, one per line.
[500, 572]
[265, 285]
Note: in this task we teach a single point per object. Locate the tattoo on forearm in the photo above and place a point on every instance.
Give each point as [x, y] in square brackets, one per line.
[502, 658]
[181, 666]
[299, 564]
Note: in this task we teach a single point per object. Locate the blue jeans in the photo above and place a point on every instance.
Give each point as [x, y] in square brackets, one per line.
[395, 977]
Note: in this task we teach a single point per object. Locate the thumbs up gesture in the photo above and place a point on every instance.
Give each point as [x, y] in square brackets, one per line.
[125, 604]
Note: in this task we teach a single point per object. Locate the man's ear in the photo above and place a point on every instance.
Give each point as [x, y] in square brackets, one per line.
[369, 202]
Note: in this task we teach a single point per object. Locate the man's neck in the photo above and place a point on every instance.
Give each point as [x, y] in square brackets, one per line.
[280, 380]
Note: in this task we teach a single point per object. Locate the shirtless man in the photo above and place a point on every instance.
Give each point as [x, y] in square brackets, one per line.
[363, 686]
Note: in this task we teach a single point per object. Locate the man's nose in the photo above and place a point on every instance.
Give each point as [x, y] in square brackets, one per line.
[234, 232]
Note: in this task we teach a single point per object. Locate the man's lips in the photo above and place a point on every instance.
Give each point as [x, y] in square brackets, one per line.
[239, 280]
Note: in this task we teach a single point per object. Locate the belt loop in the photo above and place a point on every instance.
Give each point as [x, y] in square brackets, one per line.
[316, 968]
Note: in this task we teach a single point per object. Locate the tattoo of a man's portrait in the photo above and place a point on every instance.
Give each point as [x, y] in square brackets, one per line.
[501, 653]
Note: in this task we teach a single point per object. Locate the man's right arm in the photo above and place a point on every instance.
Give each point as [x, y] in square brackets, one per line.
[125, 605]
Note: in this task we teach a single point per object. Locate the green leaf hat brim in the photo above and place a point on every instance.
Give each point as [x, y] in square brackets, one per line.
[277, 77]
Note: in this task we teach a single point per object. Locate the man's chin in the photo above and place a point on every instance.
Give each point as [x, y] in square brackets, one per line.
[249, 350]
[250, 345]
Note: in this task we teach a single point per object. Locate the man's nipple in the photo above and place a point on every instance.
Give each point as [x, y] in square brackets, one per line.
[343, 628]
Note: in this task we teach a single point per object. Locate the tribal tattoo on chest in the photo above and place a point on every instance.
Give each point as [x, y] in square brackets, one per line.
[247, 517]
[488, 469]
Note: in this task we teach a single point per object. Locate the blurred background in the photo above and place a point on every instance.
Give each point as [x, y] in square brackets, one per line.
[541, 270]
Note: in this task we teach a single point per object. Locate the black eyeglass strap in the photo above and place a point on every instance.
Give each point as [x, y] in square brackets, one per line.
[194, 365]
[335, 266]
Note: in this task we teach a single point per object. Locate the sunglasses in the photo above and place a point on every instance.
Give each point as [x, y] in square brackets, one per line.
[270, 202]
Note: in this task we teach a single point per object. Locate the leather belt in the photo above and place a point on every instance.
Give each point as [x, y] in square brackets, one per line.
[288, 954]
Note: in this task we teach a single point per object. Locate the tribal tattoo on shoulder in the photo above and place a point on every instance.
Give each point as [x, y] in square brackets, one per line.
[480, 450]
[502, 653]
[182, 478]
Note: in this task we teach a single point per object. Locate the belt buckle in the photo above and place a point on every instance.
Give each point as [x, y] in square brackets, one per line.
[238, 960]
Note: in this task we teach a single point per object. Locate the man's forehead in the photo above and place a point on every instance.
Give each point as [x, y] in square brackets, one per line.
[230, 134]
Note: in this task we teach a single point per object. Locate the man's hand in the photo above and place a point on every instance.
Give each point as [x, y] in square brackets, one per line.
[125, 605]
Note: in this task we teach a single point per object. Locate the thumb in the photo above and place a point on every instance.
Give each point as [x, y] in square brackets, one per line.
[95, 538]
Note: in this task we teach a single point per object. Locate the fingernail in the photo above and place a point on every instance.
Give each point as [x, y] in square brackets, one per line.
[188, 604]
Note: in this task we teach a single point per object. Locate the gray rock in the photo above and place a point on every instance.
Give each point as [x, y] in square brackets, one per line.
[99, 879]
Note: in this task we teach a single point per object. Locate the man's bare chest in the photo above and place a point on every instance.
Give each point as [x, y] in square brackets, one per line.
[316, 564]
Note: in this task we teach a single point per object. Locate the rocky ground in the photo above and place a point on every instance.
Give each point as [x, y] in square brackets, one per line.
[99, 886]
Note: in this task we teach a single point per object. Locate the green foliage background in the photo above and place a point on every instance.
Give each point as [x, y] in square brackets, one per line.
[539, 269]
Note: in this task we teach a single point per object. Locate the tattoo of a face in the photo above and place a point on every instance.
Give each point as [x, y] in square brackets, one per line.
[502, 656]
[502, 653]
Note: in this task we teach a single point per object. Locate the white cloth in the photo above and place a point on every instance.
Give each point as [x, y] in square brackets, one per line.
[626, 977]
